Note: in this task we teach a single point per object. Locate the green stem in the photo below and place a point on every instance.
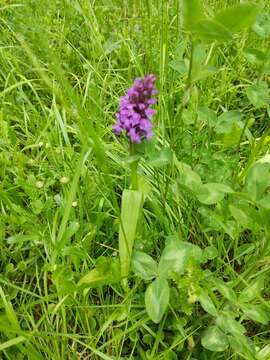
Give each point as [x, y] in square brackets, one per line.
[186, 95]
[133, 168]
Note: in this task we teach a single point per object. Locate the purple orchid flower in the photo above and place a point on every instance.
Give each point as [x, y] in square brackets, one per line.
[135, 110]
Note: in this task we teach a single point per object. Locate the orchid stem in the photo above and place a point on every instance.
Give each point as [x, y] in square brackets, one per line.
[133, 168]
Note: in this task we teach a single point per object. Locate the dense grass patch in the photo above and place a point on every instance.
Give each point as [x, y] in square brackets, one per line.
[177, 267]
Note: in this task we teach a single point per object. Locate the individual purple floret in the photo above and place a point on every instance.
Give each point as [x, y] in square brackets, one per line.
[135, 110]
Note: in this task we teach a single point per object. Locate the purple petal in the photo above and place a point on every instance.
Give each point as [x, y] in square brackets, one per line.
[117, 129]
[150, 112]
[148, 134]
[134, 136]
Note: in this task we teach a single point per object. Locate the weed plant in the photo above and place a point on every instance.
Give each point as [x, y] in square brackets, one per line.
[177, 266]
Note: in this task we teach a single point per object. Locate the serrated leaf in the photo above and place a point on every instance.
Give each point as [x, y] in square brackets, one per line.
[238, 17]
[209, 30]
[214, 339]
[157, 298]
[144, 265]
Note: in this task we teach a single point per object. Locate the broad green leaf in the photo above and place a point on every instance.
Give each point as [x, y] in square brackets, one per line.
[144, 186]
[258, 95]
[230, 128]
[175, 257]
[256, 313]
[258, 179]
[63, 279]
[188, 117]
[188, 178]
[157, 298]
[144, 265]
[240, 215]
[207, 116]
[130, 159]
[262, 25]
[161, 158]
[245, 215]
[107, 272]
[225, 290]
[209, 30]
[212, 193]
[179, 66]
[228, 324]
[226, 120]
[265, 202]
[94, 278]
[191, 13]
[207, 304]
[131, 208]
[255, 56]
[240, 344]
[238, 17]
[214, 339]
[201, 72]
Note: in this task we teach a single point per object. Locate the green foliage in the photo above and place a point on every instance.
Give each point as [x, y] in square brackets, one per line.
[157, 298]
[238, 17]
[130, 212]
[192, 13]
[178, 269]
[106, 272]
[144, 265]
[214, 339]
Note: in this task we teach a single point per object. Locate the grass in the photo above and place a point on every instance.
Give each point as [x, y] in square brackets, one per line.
[64, 65]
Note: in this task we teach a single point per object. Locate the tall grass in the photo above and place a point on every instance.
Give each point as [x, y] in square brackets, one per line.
[63, 66]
